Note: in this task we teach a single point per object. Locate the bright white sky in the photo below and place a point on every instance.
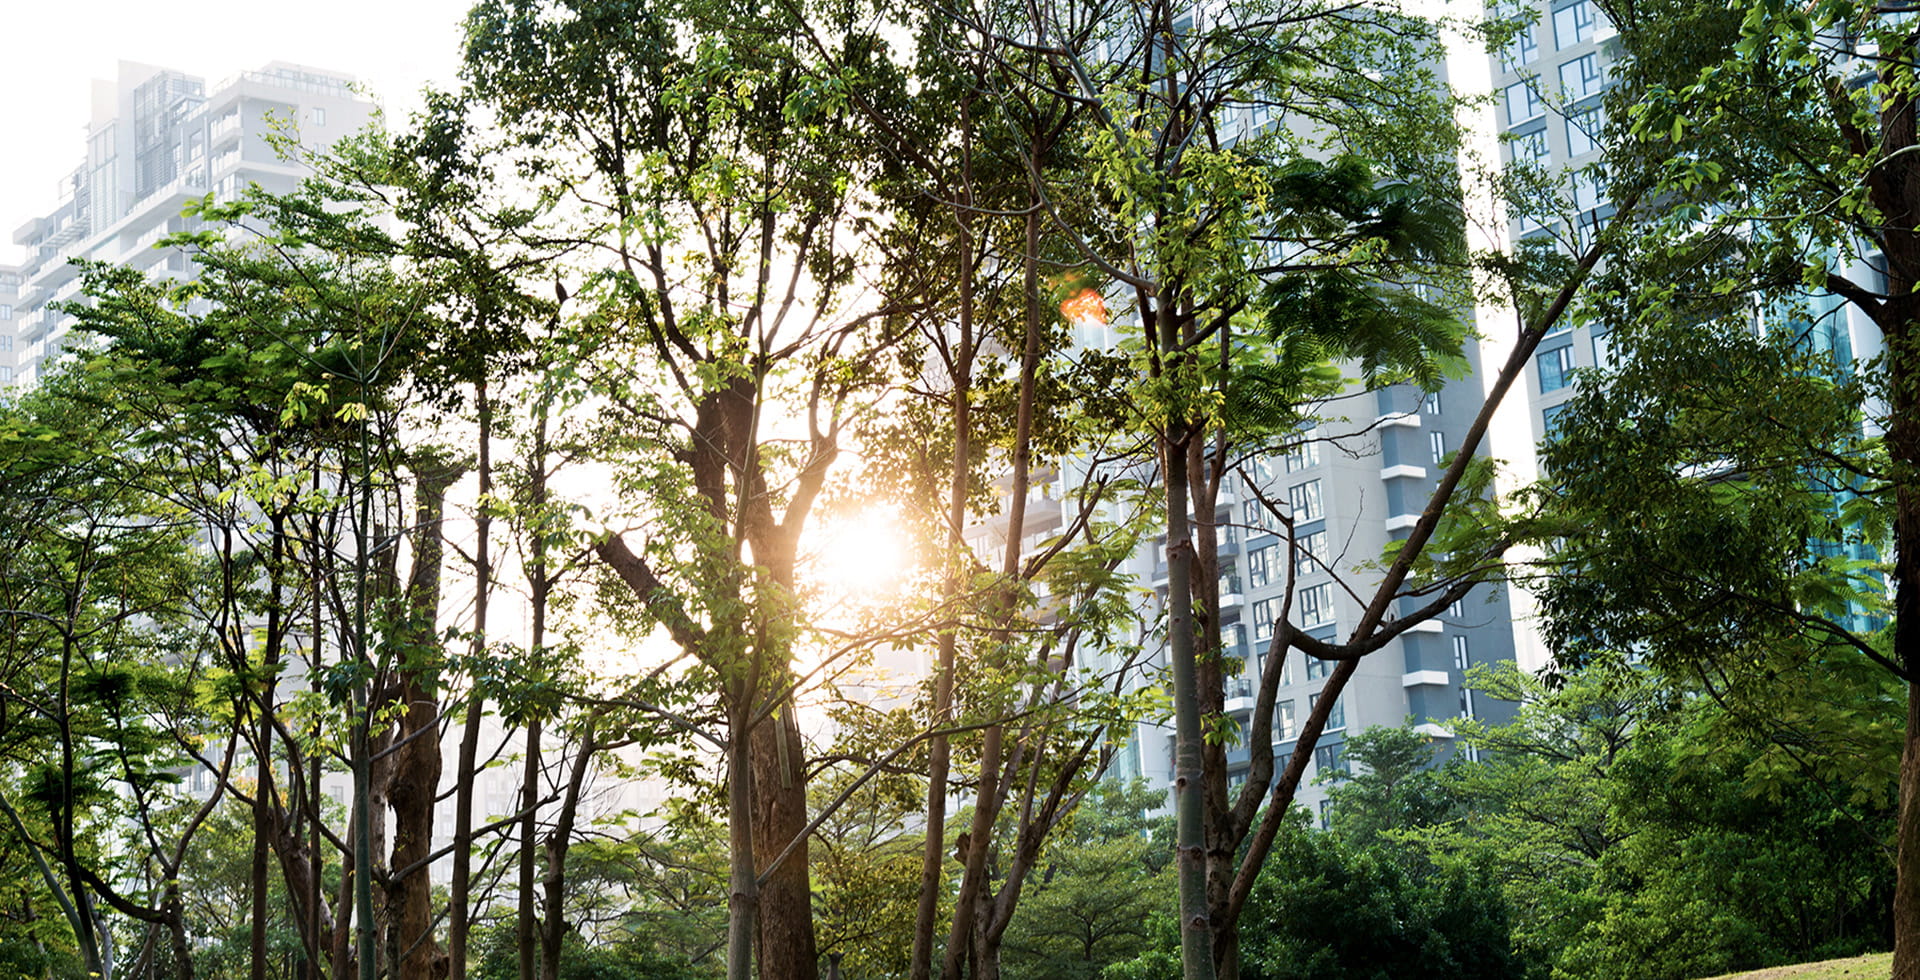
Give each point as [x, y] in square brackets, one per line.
[55, 49]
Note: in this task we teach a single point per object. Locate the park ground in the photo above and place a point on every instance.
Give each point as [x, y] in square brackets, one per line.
[1874, 965]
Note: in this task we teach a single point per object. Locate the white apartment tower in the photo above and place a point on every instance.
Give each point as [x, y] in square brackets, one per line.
[159, 138]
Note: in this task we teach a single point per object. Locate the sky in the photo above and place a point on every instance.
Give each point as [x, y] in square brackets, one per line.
[55, 48]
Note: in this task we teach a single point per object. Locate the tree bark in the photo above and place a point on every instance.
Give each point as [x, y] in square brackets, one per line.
[459, 888]
[1894, 186]
[933, 858]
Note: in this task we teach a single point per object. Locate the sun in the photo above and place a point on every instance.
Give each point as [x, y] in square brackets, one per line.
[861, 556]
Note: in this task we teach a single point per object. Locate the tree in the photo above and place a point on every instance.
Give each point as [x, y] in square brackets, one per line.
[1391, 787]
[1630, 818]
[1099, 890]
[1187, 207]
[1783, 141]
[1331, 907]
[92, 592]
[715, 191]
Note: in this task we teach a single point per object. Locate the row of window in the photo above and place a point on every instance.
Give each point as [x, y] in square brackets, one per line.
[1573, 24]
[1556, 365]
[1582, 126]
[1313, 606]
[1286, 722]
[1309, 556]
[1589, 201]
[1302, 498]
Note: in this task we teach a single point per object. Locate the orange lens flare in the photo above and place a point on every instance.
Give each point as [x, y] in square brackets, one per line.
[1086, 306]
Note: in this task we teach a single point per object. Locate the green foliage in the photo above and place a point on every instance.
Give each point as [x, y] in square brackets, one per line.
[1326, 907]
[1635, 831]
[1392, 786]
[630, 957]
[1096, 900]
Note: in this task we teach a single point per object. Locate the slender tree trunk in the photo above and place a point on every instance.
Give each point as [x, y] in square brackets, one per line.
[934, 854]
[539, 590]
[975, 845]
[1903, 444]
[558, 842]
[1895, 185]
[460, 887]
[525, 929]
[743, 893]
[1196, 951]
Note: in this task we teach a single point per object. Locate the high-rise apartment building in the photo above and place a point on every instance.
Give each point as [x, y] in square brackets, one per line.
[11, 279]
[159, 138]
[1351, 486]
[1550, 84]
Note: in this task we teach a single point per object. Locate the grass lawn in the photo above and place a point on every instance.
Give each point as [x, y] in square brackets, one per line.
[1873, 966]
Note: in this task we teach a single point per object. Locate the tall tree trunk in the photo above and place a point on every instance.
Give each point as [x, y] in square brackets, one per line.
[1196, 950]
[785, 900]
[526, 919]
[552, 929]
[1895, 186]
[743, 892]
[415, 761]
[459, 889]
[559, 840]
[939, 748]
[264, 795]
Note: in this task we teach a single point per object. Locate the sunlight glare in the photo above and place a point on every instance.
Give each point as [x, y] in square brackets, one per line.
[862, 555]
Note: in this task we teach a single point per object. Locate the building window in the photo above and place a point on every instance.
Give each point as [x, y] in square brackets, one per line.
[6, 312]
[1283, 721]
[1259, 566]
[1253, 513]
[1336, 715]
[1530, 148]
[1431, 403]
[319, 116]
[1466, 702]
[1524, 103]
[1316, 667]
[1437, 446]
[1574, 24]
[1316, 605]
[1304, 453]
[1523, 50]
[1263, 619]
[6, 342]
[1305, 499]
[1460, 660]
[1330, 759]
[1581, 77]
[1584, 129]
[1310, 554]
[1554, 367]
[1603, 353]
[6, 374]
[1457, 609]
[1237, 637]
[1550, 420]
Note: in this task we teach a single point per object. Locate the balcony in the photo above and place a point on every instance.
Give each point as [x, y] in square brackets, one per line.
[225, 129]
